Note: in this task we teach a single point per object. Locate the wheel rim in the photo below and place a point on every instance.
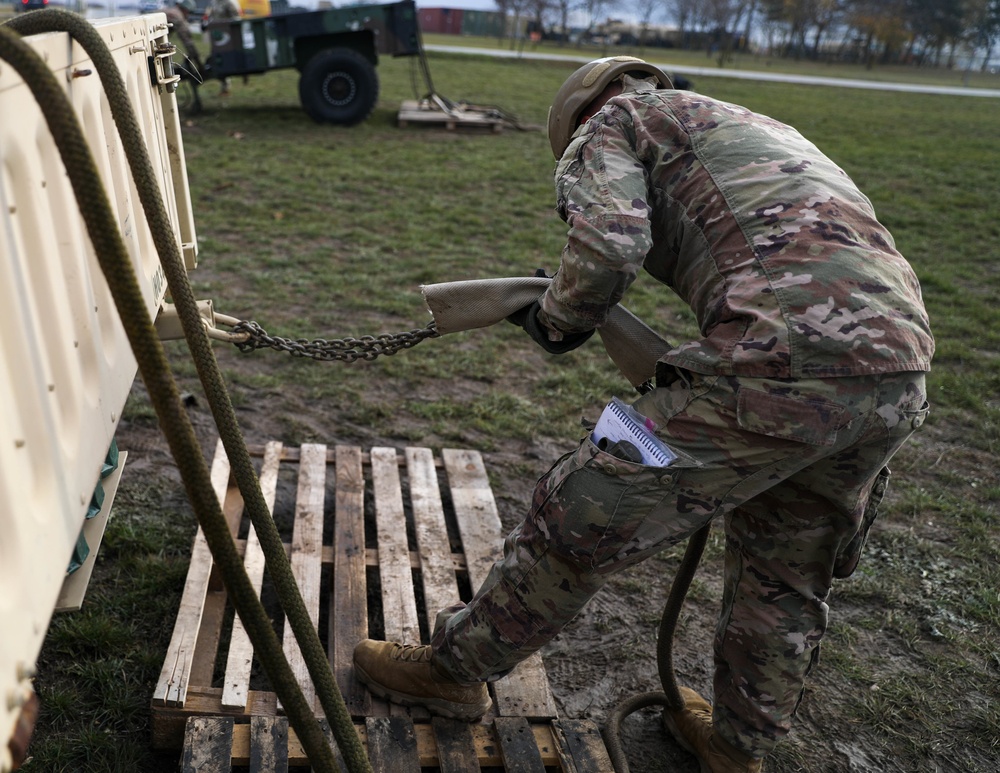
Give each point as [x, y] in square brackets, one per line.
[339, 88]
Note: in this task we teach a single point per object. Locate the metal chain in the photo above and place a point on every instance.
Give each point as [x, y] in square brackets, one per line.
[339, 349]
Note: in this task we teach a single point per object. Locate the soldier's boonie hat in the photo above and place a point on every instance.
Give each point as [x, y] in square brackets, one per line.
[584, 85]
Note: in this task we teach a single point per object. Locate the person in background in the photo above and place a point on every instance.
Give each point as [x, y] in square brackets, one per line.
[806, 377]
[178, 16]
[223, 10]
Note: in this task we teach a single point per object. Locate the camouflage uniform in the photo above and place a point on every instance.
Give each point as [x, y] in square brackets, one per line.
[180, 27]
[807, 378]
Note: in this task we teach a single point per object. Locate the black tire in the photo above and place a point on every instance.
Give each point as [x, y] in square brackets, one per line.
[338, 86]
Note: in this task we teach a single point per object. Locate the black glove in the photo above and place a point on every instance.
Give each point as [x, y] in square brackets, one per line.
[527, 318]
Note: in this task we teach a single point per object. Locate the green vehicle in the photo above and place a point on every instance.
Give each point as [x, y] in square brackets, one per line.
[335, 51]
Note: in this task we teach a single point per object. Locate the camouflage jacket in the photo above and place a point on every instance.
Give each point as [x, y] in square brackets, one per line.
[771, 244]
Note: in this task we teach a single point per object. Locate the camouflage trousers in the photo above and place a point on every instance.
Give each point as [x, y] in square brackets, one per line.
[794, 468]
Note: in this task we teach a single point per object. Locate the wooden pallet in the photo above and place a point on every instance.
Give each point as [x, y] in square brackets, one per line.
[435, 111]
[434, 532]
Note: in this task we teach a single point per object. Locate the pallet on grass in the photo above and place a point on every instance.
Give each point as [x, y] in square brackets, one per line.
[434, 532]
[436, 111]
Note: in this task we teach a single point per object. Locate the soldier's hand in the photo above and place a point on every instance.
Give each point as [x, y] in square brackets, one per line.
[527, 318]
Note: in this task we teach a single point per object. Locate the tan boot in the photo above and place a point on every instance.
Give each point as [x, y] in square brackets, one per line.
[405, 674]
[692, 729]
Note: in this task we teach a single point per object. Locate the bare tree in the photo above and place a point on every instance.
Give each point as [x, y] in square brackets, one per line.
[645, 10]
[984, 27]
[685, 13]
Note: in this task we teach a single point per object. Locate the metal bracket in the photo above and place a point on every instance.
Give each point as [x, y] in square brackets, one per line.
[161, 67]
[168, 323]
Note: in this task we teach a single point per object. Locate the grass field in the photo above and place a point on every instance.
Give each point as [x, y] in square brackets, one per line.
[319, 231]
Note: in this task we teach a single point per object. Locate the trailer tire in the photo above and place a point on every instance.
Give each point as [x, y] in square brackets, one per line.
[338, 86]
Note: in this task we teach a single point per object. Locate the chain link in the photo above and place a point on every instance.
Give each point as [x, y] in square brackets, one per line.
[337, 349]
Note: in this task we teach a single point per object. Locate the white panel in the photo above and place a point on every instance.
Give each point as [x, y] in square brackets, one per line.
[65, 364]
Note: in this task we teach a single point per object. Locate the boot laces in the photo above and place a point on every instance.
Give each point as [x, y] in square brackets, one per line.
[412, 653]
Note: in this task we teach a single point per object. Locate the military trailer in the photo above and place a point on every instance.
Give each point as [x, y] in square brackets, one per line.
[335, 51]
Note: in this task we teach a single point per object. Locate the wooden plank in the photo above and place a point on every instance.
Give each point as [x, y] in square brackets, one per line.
[169, 721]
[517, 746]
[487, 750]
[349, 594]
[338, 757]
[581, 746]
[175, 676]
[392, 745]
[268, 744]
[456, 747]
[437, 569]
[525, 691]
[306, 559]
[216, 605]
[208, 743]
[236, 684]
[399, 604]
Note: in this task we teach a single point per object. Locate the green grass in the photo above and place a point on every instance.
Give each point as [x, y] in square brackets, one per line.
[328, 232]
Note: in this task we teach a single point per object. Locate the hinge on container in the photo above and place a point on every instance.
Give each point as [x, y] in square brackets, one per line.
[168, 323]
[161, 67]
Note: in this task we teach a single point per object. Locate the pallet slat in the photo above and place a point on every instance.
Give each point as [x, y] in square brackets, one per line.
[517, 746]
[525, 691]
[236, 686]
[349, 594]
[208, 744]
[268, 745]
[392, 744]
[456, 747]
[399, 604]
[175, 676]
[306, 559]
[437, 568]
[580, 741]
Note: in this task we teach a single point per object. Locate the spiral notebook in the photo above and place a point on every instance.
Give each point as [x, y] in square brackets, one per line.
[621, 422]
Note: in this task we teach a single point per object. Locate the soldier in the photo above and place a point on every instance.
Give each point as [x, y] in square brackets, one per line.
[223, 10]
[178, 16]
[807, 377]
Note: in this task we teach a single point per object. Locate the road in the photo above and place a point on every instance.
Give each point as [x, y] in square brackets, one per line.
[717, 72]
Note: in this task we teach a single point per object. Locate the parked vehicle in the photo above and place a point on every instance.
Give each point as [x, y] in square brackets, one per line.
[30, 5]
[335, 50]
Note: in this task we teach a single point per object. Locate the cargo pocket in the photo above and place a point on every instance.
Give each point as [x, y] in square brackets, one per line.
[848, 558]
[815, 422]
[594, 501]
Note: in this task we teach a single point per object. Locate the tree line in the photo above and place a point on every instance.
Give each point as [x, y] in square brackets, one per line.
[918, 32]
